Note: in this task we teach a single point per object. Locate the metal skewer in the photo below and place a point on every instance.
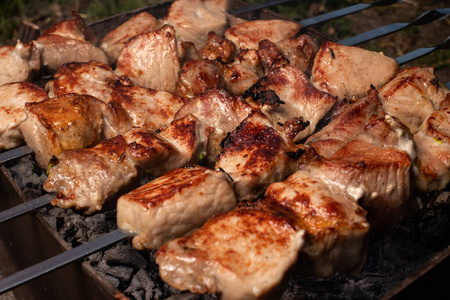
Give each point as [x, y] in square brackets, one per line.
[421, 52]
[425, 18]
[15, 153]
[345, 11]
[62, 259]
[257, 6]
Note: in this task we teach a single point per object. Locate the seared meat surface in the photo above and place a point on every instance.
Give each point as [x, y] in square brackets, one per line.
[247, 35]
[146, 108]
[242, 254]
[433, 151]
[116, 39]
[413, 96]
[336, 67]
[254, 155]
[68, 41]
[13, 97]
[335, 225]
[18, 62]
[295, 98]
[151, 60]
[197, 76]
[56, 124]
[85, 178]
[218, 48]
[243, 72]
[173, 204]
[194, 19]
[219, 113]
[90, 78]
[378, 178]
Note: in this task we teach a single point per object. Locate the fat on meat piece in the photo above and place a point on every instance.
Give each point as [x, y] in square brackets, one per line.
[378, 178]
[116, 39]
[68, 122]
[84, 179]
[242, 254]
[336, 231]
[412, 96]
[197, 76]
[349, 72]
[288, 98]
[243, 72]
[146, 108]
[173, 204]
[68, 41]
[218, 48]
[254, 155]
[219, 113]
[91, 78]
[18, 62]
[13, 97]
[194, 19]
[432, 168]
[247, 35]
[151, 60]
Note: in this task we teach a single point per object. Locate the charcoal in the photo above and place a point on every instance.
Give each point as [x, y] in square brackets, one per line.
[95, 258]
[125, 254]
[123, 273]
[113, 280]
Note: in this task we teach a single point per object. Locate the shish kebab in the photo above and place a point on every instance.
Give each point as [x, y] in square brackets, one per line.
[121, 236]
[25, 150]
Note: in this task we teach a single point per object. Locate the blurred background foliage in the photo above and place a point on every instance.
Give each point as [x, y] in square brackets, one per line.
[45, 13]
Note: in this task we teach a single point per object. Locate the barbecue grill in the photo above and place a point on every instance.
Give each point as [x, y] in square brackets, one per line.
[409, 260]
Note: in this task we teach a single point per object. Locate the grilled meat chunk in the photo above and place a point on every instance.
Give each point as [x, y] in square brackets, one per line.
[173, 204]
[13, 97]
[146, 108]
[345, 126]
[68, 41]
[85, 178]
[151, 60]
[242, 254]
[300, 52]
[296, 98]
[247, 35]
[349, 72]
[377, 177]
[433, 151]
[218, 48]
[90, 78]
[193, 19]
[68, 122]
[180, 143]
[219, 113]
[413, 96]
[18, 62]
[254, 155]
[335, 225]
[197, 76]
[116, 39]
[243, 72]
